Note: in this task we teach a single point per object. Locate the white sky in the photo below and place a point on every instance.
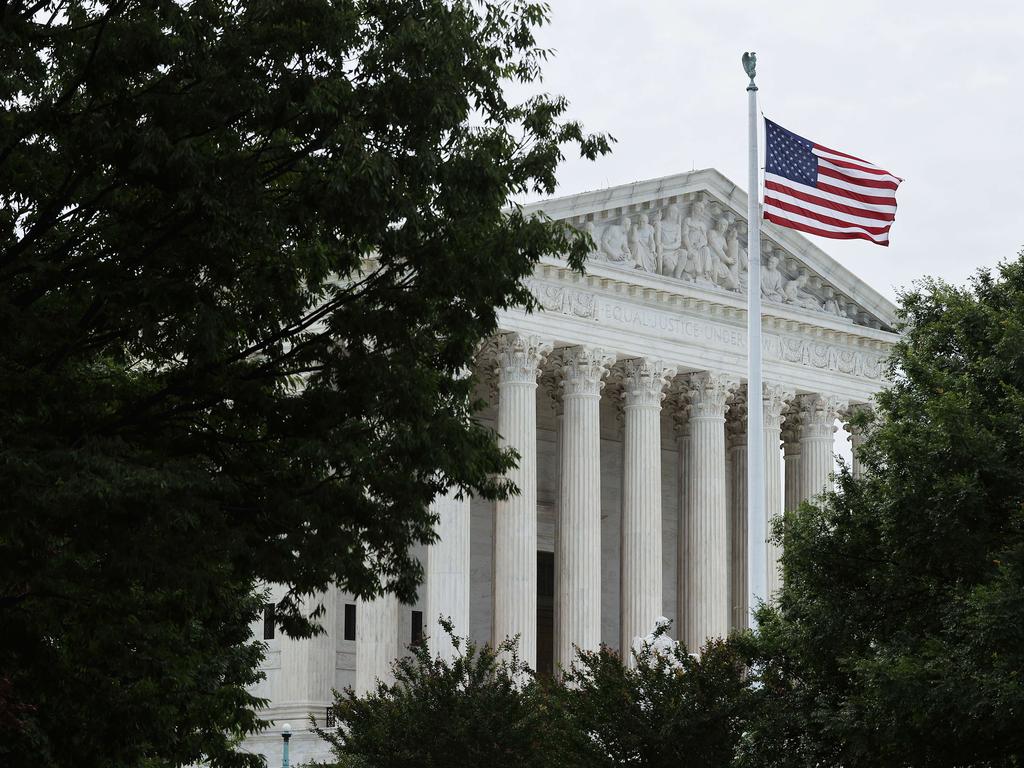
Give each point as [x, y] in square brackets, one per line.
[928, 90]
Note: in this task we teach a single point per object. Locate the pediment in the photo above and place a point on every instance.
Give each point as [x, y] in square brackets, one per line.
[690, 230]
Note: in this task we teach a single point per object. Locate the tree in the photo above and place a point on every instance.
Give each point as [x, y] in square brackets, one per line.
[246, 251]
[667, 710]
[899, 634]
[484, 707]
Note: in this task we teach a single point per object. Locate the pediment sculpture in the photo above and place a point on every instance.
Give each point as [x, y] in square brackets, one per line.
[702, 242]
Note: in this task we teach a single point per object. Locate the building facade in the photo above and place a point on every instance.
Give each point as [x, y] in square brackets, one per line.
[625, 399]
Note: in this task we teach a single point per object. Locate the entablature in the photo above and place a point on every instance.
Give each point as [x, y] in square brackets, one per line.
[697, 328]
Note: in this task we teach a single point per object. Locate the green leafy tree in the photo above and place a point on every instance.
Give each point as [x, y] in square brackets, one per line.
[246, 251]
[899, 634]
[485, 707]
[664, 711]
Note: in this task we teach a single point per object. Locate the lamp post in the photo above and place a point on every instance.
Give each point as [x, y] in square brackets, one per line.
[286, 734]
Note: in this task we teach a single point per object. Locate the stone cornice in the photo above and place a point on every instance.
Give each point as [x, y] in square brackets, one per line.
[668, 294]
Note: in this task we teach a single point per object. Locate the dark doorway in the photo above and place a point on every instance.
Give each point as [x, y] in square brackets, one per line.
[546, 613]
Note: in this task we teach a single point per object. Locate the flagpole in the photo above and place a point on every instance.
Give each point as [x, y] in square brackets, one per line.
[757, 555]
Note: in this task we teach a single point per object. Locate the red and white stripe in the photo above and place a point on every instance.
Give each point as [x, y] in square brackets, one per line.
[853, 199]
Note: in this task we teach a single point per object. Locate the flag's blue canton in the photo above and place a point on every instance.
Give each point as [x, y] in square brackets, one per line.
[790, 155]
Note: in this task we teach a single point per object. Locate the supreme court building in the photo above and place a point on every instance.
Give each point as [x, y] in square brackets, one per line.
[625, 399]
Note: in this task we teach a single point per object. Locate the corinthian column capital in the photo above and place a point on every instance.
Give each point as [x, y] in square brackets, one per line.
[776, 399]
[855, 432]
[849, 414]
[680, 409]
[791, 429]
[736, 419]
[516, 358]
[708, 393]
[581, 370]
[818, 414]
[644, 381]
[677, 404]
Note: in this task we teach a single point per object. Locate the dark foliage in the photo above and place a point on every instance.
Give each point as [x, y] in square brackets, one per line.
[246, 250]
[661, 712]
[899, 635]
[486, 708]
[483, 708]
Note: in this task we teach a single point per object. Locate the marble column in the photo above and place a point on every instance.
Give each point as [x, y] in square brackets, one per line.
[775, 397]
[791, 457]
[643, 383]
[578, 530]
[790, 436]
[817, 426]
[518, 360]
[681, 419]
[736, 444]
[308, 665]
[447, 577]
[551, 381]
[855, 434]
[377, 643]
[706, 609]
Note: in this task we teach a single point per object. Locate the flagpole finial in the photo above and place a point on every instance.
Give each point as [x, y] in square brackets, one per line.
[750, 67]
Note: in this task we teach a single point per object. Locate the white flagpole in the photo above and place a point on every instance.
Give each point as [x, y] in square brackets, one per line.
[757, 555]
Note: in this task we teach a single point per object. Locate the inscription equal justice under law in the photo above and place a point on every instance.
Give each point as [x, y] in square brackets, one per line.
[793, 349]
[673, 325]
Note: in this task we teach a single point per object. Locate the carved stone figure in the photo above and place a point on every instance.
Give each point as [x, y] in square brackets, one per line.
[658, 643]
[724, 272]
[699, 263]
[831, 305]
[737, 258]
[703, 247]
[615, 242]
[795, 293]
[771, 280]
[643, 245]
[669, 239]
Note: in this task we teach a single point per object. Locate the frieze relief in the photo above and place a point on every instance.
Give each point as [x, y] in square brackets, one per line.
[567, 301]
[828, 357]
[699, 241]
[821, 355]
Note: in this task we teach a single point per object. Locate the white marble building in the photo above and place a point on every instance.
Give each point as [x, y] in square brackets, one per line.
[624, 399]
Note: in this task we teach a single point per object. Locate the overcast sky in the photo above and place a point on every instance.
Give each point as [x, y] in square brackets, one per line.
[928, 90]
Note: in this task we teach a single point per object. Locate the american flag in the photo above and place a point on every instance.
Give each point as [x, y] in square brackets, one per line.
[828, 193]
